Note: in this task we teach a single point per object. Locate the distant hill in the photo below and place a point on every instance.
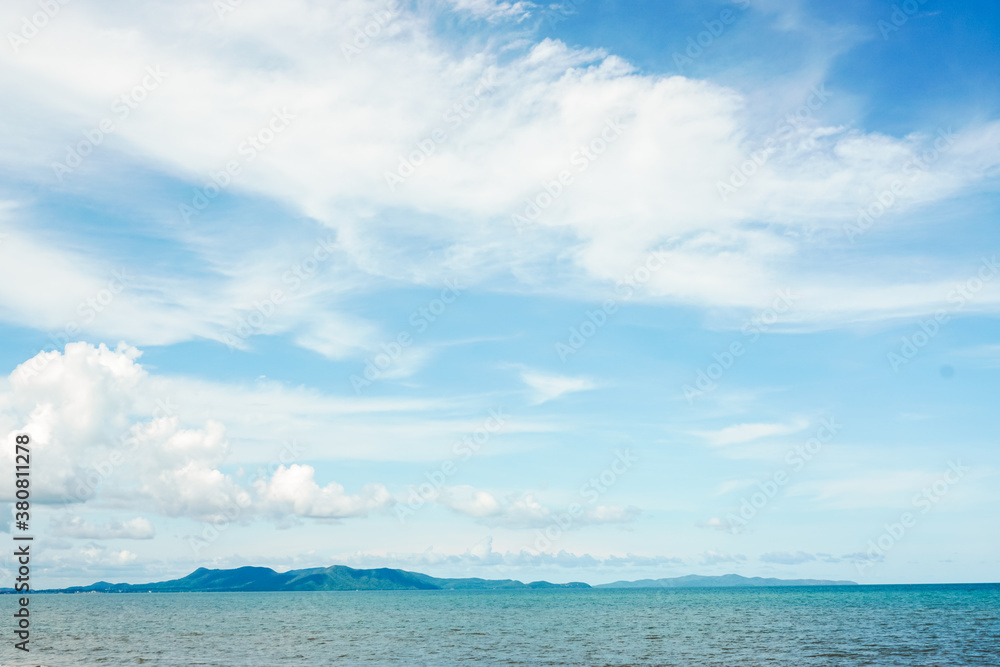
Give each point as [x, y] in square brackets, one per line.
[342, 578]
[335, 578]
[725, 580]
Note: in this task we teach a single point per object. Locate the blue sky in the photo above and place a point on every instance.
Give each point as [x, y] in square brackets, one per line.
[711, 287]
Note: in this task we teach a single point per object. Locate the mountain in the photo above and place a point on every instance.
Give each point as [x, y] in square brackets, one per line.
[342, 578]
[724, 581]
[335, 578]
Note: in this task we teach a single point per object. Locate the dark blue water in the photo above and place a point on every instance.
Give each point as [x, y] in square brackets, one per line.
[856, 625]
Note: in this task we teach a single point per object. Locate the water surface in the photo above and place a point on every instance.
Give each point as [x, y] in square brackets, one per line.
[852, 625]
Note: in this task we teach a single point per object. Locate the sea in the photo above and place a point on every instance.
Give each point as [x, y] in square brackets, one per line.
[835, 625]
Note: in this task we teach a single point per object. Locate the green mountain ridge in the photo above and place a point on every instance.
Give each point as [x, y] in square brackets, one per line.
[343, 578]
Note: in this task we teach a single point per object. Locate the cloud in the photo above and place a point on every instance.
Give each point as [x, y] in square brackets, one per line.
[97, 418]
[522, 510]
[99, 556]
[787, 558]
[495, 9]
[337, 338]
[138, 528]
[883, 488]
[717, 558]
[717, 523]
[452, 215]
[470, 501]
[549, 387]
[732, 485]
[483, 555]
[861, 557]
[293, 490]
[741, 433]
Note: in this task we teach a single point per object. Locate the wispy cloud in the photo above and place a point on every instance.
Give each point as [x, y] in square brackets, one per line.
[77, 527]
[547, 387]
[495, 9]
[718, 557]
[740, 433]
[787, 558]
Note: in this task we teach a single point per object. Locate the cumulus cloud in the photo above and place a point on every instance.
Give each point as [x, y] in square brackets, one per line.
[99, 556]
[293, 490]
[95, 416]
[470, 501]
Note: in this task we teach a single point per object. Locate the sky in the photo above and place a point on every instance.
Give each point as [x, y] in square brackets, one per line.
[587, 291]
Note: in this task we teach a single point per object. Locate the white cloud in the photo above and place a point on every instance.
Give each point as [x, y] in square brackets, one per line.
[869, 489]
[483, 555]
[97, 418]
[548, 101]
[495, 9]
[548, 387]
[741, 433]
[95, 555]
[337, 338]
[94, 396]
[470, 501]
[787, 558]
[717, 523]
[293, 490]
[732, 485]
[138, 528]
[717, 558]
[523, 510]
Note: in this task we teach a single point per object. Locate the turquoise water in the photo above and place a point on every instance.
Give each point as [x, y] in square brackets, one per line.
[871, 625]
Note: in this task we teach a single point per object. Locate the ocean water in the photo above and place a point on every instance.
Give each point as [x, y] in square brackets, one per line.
[855, 625]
